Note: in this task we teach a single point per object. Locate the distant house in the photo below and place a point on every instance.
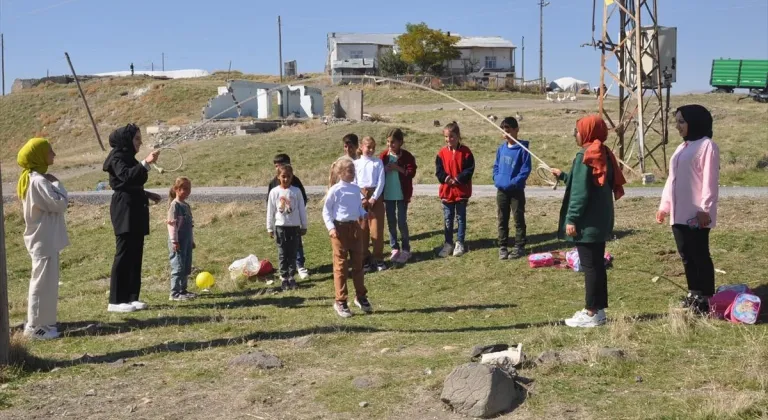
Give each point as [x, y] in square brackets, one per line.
[358, 54]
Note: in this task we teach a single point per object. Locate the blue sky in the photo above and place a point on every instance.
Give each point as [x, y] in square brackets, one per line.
[105, 35]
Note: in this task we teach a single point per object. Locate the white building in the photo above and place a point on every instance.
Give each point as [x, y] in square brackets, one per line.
[358, 54]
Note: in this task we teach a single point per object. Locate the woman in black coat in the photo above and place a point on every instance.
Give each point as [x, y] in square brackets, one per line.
[129, 211]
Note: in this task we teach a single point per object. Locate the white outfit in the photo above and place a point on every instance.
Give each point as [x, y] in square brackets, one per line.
[342, 204]
[286, 207]
[45, 236]
[369, 173]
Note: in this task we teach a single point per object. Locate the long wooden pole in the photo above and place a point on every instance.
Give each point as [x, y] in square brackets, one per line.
[87, 108]
[5, 322]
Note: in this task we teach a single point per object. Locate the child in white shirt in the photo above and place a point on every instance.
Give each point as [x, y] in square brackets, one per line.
[286, 223]
[369, 176]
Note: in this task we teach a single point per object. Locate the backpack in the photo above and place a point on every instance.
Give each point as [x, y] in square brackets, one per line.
[735, 303]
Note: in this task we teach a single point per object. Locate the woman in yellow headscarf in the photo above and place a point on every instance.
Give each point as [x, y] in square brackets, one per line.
[44, 201]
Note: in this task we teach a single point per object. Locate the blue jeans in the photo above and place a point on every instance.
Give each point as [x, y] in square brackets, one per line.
[455, 211]
[181, 264]
[300, 259]
[397, 216]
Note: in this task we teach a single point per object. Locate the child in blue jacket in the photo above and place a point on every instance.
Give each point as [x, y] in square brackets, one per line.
[510, 172]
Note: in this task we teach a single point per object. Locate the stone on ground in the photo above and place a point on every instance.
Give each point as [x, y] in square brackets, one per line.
[479, 390]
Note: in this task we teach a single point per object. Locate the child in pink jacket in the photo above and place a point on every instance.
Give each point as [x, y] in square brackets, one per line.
[690, 200]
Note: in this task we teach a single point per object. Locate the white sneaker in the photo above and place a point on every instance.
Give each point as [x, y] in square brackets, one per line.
[41, 333]
[139, 305]
[303, 273]
[446, 251]
[120, 307]
[458, 250]
[582, 319]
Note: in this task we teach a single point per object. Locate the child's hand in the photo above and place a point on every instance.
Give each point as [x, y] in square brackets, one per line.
[176, 246]
[570, 230]
[660, 216]
[556, 172]
[371, 215]
[271, 235]
[154, 197]
[303, 232]
[371, 202]
[333, 234]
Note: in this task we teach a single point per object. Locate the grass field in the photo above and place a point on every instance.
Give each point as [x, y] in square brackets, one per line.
[428, 315]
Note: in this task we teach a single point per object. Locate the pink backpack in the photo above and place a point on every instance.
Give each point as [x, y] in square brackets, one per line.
[735, 303]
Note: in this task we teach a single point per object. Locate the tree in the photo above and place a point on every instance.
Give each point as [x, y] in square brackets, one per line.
[427, 48]
[392, 64]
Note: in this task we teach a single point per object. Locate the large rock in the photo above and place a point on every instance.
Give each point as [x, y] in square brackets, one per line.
[479, 390]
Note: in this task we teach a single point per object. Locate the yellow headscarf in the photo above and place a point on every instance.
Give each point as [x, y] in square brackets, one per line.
[32, 157]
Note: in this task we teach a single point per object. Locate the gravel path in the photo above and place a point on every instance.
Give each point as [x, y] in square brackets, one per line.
[244, 194]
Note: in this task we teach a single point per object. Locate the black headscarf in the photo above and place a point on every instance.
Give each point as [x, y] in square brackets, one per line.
[699, 122]
[121, 142]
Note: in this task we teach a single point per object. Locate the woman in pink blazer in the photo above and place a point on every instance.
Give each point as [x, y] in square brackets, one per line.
[690, 201]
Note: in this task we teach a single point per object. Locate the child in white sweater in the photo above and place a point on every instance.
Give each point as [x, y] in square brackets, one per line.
[44, 201]
[287, 223]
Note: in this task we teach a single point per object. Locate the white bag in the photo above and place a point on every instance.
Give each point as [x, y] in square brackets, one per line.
[244, 268]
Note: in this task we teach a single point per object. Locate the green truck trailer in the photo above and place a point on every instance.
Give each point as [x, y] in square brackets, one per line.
[728, 75]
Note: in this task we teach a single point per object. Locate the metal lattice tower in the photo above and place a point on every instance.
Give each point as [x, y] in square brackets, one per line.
[640, 123]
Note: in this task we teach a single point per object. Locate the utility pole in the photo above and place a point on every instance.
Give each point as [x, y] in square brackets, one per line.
[2, 59]
[542, 5]
[163, 61]
[522, 70]
[280, 45]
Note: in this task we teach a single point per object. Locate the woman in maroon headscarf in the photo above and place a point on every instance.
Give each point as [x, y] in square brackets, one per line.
[586, 217]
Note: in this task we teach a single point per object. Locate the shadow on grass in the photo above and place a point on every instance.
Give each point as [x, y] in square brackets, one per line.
[448, 309]
[34, 363]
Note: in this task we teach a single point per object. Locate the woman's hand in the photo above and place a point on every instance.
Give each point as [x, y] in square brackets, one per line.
[570, 230]
[556, 172]
[660, 216]
[154, 197]
[152, 156]
[703, 218]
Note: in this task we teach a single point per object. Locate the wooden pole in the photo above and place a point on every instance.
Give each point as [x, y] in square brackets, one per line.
[87, 108]
[5, 329]
[2, 59]
[280, 45]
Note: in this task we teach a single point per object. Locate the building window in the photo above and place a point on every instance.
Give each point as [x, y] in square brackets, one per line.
[356, 54]
[490, 62]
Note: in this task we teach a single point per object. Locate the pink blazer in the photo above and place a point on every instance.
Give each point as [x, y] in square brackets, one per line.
[692, 186]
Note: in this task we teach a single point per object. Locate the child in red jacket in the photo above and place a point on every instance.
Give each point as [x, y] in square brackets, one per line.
[400, 168]
[454, 167]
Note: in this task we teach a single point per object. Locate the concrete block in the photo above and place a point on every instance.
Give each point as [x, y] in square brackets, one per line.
[351, 103]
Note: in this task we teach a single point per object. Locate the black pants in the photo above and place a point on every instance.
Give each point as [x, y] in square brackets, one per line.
[512, 202]
[693, 246]
[125, 282]
[288, 239]
[592, 259]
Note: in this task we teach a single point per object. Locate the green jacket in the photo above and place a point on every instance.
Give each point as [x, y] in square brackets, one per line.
[586, 205]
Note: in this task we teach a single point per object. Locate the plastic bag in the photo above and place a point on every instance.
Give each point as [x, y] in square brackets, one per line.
[244, 268]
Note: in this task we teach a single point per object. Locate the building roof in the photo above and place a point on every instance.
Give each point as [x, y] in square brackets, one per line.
[389, 39]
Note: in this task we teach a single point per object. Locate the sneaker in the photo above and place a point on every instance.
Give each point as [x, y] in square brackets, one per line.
[394, 257]
[688, 301]
[518, 252]
[368, 268]
[41, 333]
[446, 251]
[700, 305]
[120, 307]
[583, 320]
[285, 285]
[189, 295]
[405, 256]
[342, 309]
[303, 273]
[292, 284]
[503, 253]
[140, 306]
[178, 297]
[380, 266]
[363, 303]
[459, 249]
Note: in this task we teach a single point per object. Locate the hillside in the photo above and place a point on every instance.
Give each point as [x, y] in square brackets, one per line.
[58, 111]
